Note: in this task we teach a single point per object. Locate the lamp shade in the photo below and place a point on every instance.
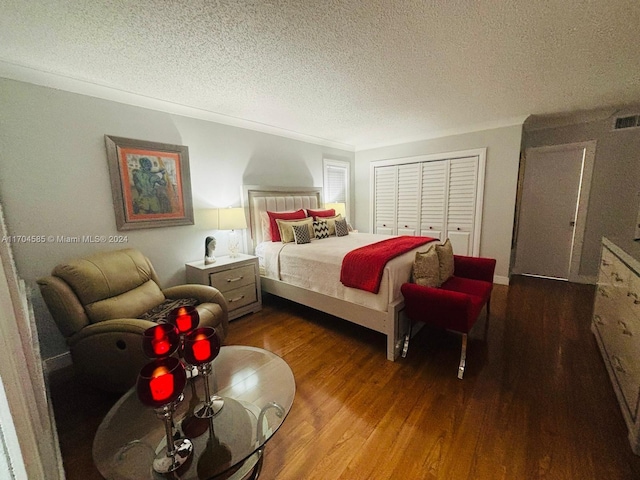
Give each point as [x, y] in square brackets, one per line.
[340, 208]
[231, 219]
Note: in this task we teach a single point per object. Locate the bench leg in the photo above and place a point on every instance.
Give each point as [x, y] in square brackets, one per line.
[407, 337]
[463, 356]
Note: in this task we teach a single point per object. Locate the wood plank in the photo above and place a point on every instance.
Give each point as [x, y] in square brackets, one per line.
[535, 403]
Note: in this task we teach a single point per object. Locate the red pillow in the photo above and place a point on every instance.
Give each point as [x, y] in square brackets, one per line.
[273, 216]
[321, 213]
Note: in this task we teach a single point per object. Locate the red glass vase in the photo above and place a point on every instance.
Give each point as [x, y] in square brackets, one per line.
[185, 319]
[160, 341]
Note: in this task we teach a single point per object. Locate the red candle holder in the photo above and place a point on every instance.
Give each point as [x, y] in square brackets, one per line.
[160, 385]
[160, 341]
[201, 347]
[185, 319]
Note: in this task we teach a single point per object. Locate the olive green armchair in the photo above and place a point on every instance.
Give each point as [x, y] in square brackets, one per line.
[104, 302]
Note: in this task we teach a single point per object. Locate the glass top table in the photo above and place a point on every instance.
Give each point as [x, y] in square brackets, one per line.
[258, 390]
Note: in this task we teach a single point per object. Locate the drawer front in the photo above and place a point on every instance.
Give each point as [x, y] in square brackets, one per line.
[233, 278]
[240, 297]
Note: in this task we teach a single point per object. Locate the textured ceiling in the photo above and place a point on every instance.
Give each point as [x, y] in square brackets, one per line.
[360, 73]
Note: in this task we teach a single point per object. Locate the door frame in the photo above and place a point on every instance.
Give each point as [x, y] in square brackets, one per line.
[584, 190]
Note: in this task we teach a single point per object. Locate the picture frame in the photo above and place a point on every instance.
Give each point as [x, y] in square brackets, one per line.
[150, 183]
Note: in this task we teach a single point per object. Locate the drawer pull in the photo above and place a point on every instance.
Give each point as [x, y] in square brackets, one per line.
[603, 292]
[236, 279]
[617, 277]
[625, 330]
[636, 300]
[237, 299]
[617, 365]
[605, 263]
[598, 320]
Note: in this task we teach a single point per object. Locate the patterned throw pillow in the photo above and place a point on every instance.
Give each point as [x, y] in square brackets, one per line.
[445, 257]
[301, 234]
[426, 268]
[286, 230]
[342, 229]
[321, 229]
[161, 312]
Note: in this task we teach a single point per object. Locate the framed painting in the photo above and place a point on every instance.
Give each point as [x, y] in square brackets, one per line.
[150, 183]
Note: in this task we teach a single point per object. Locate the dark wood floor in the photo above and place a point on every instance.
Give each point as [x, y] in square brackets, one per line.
[535, 403]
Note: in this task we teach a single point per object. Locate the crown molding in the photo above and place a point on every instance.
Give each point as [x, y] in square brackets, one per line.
[23, 73]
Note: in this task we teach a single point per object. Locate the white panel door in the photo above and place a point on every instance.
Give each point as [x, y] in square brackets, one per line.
[386, 192]
[546, 223]
[408, 205]
[433, 198]
[461, 203]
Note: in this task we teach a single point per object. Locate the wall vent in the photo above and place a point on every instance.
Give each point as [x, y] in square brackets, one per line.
[628, 121]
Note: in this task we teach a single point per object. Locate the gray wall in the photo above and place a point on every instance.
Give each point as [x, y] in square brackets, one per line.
[54, 179]
[501, 178]
[615, 186]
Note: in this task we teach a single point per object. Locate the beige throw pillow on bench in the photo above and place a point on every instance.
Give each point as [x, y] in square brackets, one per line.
[426, 268]
[434, 266]
[445, 257]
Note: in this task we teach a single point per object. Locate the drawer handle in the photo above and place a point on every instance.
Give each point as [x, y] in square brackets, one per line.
[603, 292]
[237, 299]
[617, 364]
[598, 320]
[236, 279]
[617, 277]
[605, 263]
[625, 330]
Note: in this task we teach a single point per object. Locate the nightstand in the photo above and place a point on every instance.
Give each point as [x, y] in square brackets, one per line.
[238, 279]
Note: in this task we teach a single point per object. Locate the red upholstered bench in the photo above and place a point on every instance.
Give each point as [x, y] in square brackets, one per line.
[456, 304]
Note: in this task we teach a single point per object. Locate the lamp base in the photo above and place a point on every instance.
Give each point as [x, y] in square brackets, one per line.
[234, 244]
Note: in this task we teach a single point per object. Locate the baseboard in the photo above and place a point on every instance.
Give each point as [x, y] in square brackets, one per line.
[58, 362]
[500, 280]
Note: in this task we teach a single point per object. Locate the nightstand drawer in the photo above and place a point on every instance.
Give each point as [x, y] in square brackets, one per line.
[233, 278]
[240, 297]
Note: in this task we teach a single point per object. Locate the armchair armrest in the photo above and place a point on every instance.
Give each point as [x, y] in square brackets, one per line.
[118, 326]
[203, 293]
[476, 268]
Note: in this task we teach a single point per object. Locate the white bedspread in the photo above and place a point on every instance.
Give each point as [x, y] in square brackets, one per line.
[316, 266]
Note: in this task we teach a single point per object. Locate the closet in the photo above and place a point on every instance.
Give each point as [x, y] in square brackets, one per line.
[436, 196]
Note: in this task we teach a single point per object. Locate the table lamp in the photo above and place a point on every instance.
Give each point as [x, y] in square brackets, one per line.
[232, 219]
[340, 208]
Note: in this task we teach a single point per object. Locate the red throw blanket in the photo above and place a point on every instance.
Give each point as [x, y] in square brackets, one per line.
[363, 267]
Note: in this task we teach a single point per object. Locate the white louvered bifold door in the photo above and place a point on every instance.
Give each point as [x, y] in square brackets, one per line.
[433, 199]
[408, 211]
[461, 203]
[386, 188]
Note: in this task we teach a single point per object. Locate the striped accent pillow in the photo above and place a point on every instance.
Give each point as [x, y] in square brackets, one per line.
[321, 229]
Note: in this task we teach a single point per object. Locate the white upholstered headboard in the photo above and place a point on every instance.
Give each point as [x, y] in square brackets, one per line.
[259, 199]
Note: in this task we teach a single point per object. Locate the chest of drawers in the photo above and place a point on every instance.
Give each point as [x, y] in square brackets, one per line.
[616, 326]
[237, 278]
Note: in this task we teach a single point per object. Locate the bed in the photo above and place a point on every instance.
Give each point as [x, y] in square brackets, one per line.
[309, 274]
